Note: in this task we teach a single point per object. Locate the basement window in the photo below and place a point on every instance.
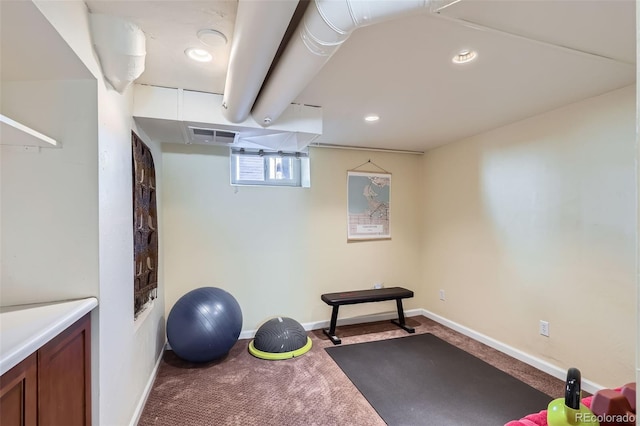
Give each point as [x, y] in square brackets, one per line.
[269, 168]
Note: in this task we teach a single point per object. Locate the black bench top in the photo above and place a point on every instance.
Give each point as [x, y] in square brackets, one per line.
[364, 296]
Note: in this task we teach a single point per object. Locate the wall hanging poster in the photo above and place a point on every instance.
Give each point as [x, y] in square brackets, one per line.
[368, 205]
[145, 225]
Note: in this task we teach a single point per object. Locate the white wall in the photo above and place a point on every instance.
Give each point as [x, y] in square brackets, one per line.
[126, 347]
[49, 200]
[278, 249]
[637, 197]
[513, 224]
[537, 221]
[125, 352]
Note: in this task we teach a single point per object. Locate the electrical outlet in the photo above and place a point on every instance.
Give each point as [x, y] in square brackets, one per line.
[441, 294]
[544, 328]
[378, 285]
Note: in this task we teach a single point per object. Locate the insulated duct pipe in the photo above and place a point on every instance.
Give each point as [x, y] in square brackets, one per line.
[121, 49]
[325, 25]
[259, 29]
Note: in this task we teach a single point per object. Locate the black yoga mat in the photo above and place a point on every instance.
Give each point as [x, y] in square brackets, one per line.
[423, 380]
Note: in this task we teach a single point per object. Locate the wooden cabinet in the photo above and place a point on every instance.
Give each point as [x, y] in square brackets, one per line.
[52, 387]
[64, 377]
[18, 394]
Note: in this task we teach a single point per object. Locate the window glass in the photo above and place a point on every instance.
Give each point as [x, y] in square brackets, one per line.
[269, 168]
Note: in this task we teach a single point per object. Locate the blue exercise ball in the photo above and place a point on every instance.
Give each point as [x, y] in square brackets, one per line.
[204, 324]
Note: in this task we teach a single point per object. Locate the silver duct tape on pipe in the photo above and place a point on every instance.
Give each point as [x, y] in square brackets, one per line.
[260, 26]
[325, 26]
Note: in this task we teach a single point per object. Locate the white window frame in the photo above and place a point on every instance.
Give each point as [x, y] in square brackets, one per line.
[255, 167]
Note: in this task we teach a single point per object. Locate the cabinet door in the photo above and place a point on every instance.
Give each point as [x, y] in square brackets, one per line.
[18, 394]
[64, 377]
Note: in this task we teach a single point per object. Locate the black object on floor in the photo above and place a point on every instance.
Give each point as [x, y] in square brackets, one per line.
[365, 296]
[423, 380]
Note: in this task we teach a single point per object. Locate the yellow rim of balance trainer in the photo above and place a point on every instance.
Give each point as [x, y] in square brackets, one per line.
[273, 356]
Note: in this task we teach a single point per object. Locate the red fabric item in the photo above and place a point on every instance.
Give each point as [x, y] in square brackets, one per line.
[540, 419]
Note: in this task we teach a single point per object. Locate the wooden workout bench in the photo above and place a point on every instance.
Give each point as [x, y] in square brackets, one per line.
[365, 296]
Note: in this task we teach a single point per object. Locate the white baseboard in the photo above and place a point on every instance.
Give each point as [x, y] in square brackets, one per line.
[547, 367]
[145, 393]
[538, 363]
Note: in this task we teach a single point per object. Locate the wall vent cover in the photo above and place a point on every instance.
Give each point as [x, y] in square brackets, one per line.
[209, 136]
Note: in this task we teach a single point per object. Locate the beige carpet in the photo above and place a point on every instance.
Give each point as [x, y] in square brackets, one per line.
[309, 390]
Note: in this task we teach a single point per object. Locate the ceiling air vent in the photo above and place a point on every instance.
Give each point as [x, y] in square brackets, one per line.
[207, 136]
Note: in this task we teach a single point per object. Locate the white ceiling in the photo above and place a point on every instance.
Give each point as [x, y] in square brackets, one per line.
[533, 56]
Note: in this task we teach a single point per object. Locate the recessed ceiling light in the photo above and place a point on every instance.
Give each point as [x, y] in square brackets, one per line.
[199, 55]
[212, 38]
[372, 118]
[465, 56]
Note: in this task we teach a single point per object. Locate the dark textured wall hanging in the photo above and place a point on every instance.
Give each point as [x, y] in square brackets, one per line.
[145, 225]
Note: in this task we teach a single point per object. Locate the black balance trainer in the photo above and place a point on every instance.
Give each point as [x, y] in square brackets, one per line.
[365, 296]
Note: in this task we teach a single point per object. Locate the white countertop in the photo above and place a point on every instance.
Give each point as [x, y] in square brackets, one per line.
[26, 328]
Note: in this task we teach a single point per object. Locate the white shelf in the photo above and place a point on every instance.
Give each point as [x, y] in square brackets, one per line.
[14, 133]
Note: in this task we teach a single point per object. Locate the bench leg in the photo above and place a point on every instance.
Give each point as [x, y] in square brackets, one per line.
[400, 321]
[331, 332]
